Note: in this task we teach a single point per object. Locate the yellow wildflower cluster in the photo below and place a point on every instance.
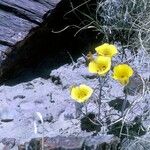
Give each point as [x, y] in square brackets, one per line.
[101, 65]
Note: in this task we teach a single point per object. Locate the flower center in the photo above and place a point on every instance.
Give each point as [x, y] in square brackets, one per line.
[102, 68]
[82, 94]
[122, 76]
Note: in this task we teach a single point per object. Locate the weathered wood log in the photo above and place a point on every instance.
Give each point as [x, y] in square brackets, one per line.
[17, 19]
[27, 32]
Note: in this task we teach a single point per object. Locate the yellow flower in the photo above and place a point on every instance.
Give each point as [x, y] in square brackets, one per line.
[122, 73]
[101, 65]
[106, 49]
[81, 93]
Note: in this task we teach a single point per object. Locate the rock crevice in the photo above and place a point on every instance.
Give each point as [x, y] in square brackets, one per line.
[27, 35]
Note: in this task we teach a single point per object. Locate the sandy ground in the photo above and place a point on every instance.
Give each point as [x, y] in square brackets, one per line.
[19, 103]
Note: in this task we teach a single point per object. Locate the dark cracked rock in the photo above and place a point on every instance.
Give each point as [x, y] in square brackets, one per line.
[64, 143]
[27, 35]
[9, 143]
[55, 143]
[104, 142]
[19, 21]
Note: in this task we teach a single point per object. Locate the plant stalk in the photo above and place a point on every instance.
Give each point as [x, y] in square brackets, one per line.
[99, 97]
[124, 104]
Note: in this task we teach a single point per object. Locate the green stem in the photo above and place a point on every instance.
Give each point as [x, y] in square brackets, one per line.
[85, 104]
[124, 105]
[99, 97]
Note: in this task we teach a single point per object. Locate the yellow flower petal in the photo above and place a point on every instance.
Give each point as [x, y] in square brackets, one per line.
[124, 81]
[113, 49]
[122, 73]
[104, 64]
[122, 70]
[101, 65]
[81, 93]
[74, 92]
[106, 49]
[93, 67]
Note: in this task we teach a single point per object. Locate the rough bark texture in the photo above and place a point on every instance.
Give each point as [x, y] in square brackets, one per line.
[107, 142]
[19, 20]
[27, 37]
[18, 17]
